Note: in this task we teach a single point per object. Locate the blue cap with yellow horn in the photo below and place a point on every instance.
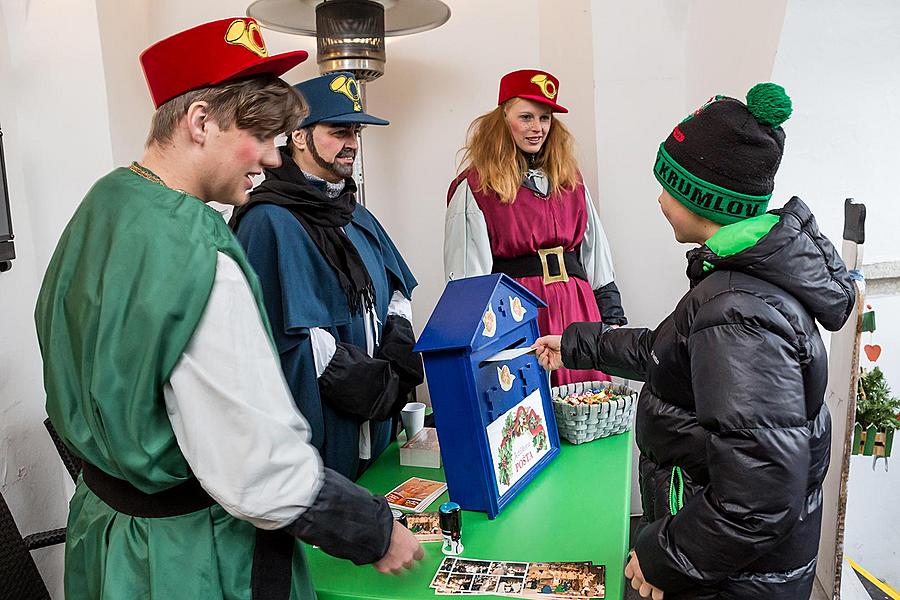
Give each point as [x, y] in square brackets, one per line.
[334, 98]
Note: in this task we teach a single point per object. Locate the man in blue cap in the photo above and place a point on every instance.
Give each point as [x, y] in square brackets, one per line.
[335, 287]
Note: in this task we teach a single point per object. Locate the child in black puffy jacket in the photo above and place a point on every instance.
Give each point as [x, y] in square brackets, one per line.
[731, 423]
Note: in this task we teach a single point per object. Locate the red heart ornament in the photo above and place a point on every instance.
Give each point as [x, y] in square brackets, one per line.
[872, 352]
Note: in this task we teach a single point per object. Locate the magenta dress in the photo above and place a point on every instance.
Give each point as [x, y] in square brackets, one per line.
[532, 223]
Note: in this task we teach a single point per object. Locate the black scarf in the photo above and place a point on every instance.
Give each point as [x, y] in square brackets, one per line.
[322, 218]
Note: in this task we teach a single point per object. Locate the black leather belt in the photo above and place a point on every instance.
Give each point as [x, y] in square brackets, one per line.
[123, 497]
[553, 264]
[271, 571]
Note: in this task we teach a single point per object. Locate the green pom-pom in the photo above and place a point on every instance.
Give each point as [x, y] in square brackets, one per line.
[769, 103]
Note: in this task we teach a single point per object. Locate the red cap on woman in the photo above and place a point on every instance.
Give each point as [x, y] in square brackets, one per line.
[531, 84]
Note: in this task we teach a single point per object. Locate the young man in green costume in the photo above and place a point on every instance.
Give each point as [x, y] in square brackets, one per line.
[159, 365]
[732, 425]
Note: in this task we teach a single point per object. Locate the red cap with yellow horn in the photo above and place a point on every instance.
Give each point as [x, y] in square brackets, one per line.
[211, 54]
[531, 84]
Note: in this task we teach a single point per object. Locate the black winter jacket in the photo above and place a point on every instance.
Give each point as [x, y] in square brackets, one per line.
[731, 422]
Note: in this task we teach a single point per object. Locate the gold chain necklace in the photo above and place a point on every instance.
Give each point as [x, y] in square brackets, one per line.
[139, 169]
[146, 173]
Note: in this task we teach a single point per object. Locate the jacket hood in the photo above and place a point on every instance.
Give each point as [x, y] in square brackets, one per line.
[795, 256]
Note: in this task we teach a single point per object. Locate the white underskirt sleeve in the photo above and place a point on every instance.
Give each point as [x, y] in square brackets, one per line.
[400, 306]
[467, 247]
[323, 348]
[371, 323]
[233, 415]
[595, 254]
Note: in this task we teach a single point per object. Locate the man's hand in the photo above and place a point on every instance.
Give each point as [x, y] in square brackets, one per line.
[634, 573]
[403, 552]
[547, 350]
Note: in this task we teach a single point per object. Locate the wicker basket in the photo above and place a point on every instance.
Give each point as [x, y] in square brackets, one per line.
[586, 422]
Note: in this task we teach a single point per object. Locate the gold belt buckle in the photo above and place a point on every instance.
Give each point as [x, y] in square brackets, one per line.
[558, 252]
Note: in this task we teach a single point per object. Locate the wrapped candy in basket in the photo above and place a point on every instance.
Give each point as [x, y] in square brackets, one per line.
[589, 410]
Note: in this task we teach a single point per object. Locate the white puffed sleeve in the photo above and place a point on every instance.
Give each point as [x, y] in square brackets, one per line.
[467, 248]
[233, 415]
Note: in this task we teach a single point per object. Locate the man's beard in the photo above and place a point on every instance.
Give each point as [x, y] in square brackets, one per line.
[335, 167]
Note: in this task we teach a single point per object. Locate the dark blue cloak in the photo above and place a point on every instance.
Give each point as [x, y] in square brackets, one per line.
[301, 291]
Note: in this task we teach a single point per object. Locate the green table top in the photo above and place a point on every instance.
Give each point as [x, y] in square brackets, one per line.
[576, 509]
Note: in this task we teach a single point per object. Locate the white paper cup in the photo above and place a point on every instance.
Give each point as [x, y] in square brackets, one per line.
[413, 417]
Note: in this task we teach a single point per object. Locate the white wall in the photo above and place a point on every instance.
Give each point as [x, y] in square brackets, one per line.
[566, 50]
[62, 108]
[125, 30]
[56, 140]
[838, 61]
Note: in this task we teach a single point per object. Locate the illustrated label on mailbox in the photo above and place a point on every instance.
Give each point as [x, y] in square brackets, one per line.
[518, 440]
[515, 307]
[489, 321]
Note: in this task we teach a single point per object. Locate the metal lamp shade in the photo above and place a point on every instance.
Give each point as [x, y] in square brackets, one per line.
[350, 33]
[350, 37]
[401, 17]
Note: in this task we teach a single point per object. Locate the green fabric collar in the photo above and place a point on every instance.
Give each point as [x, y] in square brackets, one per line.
[734, 238]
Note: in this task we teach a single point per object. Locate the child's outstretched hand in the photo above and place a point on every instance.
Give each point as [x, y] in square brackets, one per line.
[547, 350]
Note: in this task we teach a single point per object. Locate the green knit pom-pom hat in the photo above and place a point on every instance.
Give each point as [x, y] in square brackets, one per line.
[720, 161]
[769, 103]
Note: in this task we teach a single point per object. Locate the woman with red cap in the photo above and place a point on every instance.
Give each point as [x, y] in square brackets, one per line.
[520, 207]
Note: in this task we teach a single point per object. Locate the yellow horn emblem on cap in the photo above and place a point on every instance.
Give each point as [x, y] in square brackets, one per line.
[548, 88]
[348, 87]
[242, 33]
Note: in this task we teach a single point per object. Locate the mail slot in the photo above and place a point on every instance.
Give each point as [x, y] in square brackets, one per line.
[491, 398]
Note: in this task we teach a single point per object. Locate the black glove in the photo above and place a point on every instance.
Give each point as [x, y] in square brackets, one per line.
[397, 341]
[609, 301]
[359, 385]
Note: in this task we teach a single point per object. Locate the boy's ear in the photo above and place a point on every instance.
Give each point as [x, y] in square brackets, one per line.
[197, 120]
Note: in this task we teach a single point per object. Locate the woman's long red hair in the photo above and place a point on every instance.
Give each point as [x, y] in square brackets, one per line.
[491, 151]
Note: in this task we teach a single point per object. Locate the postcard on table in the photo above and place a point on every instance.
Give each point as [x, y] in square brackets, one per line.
[425, 526]
[565, 580]
[415, 494]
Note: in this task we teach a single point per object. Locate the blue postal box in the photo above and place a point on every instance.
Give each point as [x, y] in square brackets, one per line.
[491, 398]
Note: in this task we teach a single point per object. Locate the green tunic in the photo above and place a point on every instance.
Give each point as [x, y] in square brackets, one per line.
[122, 296]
